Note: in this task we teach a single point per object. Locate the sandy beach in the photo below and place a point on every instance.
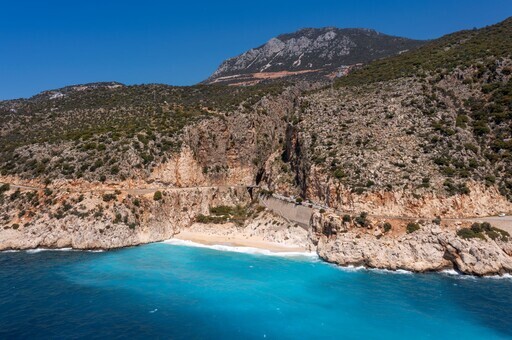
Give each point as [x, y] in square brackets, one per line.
[236, 241]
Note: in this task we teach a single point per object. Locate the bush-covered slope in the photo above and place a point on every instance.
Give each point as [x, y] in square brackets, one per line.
[435, 120]
[105, 131]
[460, 49]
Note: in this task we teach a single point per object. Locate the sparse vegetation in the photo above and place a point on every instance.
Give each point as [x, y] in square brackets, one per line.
[412, 227]
[157, 196]
[480, 230]
[362, 220]
[223, 214]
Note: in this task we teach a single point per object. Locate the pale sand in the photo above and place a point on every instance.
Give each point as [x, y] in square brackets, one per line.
[235, 241]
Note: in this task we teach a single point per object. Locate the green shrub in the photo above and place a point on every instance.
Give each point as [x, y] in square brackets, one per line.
[211, 219]
[387, 227]
[118, 218]
[412, 227]
[339, 173]
[476, 228]
[15, 195]
[5, 187]
[109, 197]
[461, 121]
[157, 196]
[479, 230]
[223, 213]
[498, 234]
[468, 233]
[266, 193]
[362, 220]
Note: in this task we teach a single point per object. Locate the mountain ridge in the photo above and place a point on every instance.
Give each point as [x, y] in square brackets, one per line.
[319, 52]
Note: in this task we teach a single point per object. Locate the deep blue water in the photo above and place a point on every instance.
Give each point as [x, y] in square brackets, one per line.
[169, 291]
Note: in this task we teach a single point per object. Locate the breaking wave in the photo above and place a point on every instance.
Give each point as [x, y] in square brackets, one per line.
[239, 249]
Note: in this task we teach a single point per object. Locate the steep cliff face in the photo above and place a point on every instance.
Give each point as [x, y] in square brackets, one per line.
[233, 148]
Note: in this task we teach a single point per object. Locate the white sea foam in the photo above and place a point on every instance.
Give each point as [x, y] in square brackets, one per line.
[388, 271]
[238, 249]
[500, 277]
[39, 250]
[348, 268]
[375, 270]
[453, 272]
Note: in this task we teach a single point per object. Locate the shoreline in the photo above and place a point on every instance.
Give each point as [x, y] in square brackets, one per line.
[256, 247]
[237, 241]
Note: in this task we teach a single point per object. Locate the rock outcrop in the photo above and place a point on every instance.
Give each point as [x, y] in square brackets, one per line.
[107, 221]
[431, 248]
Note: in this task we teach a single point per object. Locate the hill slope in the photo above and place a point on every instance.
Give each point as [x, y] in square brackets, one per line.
[438, 124]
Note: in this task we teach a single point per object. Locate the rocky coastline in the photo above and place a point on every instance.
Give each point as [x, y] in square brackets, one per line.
[343, 240]
[430, 248]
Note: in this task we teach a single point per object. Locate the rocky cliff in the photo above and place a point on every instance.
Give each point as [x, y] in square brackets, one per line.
[106, 219]
[426, 246]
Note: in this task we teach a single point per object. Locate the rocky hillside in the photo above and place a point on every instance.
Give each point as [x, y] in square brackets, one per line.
[109, 165]
[310, 53]
[116, 133]
[422, 134]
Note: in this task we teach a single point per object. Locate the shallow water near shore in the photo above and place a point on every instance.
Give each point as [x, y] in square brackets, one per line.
[176, 291]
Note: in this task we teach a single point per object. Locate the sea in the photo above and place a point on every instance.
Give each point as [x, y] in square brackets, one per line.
[181, 290]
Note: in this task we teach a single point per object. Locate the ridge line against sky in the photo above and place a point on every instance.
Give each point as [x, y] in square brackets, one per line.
[51, 44]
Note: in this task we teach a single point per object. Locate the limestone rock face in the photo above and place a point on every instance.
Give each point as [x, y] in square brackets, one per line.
[182, 171]
[106, 225]
[432, 248]
[313, 50]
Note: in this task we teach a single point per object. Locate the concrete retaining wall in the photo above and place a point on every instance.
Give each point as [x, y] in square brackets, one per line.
[293, 212]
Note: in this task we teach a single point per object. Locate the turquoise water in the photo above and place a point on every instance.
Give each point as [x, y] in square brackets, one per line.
[169, 291]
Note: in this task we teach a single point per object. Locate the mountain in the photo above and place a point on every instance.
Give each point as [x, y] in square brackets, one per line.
[314, 53]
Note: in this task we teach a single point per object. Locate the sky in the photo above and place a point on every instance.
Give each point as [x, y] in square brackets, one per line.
[50, 44]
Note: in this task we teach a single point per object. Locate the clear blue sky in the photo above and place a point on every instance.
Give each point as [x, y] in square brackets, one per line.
[50, 44]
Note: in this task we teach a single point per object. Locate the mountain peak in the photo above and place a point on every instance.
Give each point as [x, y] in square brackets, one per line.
[311, 52]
